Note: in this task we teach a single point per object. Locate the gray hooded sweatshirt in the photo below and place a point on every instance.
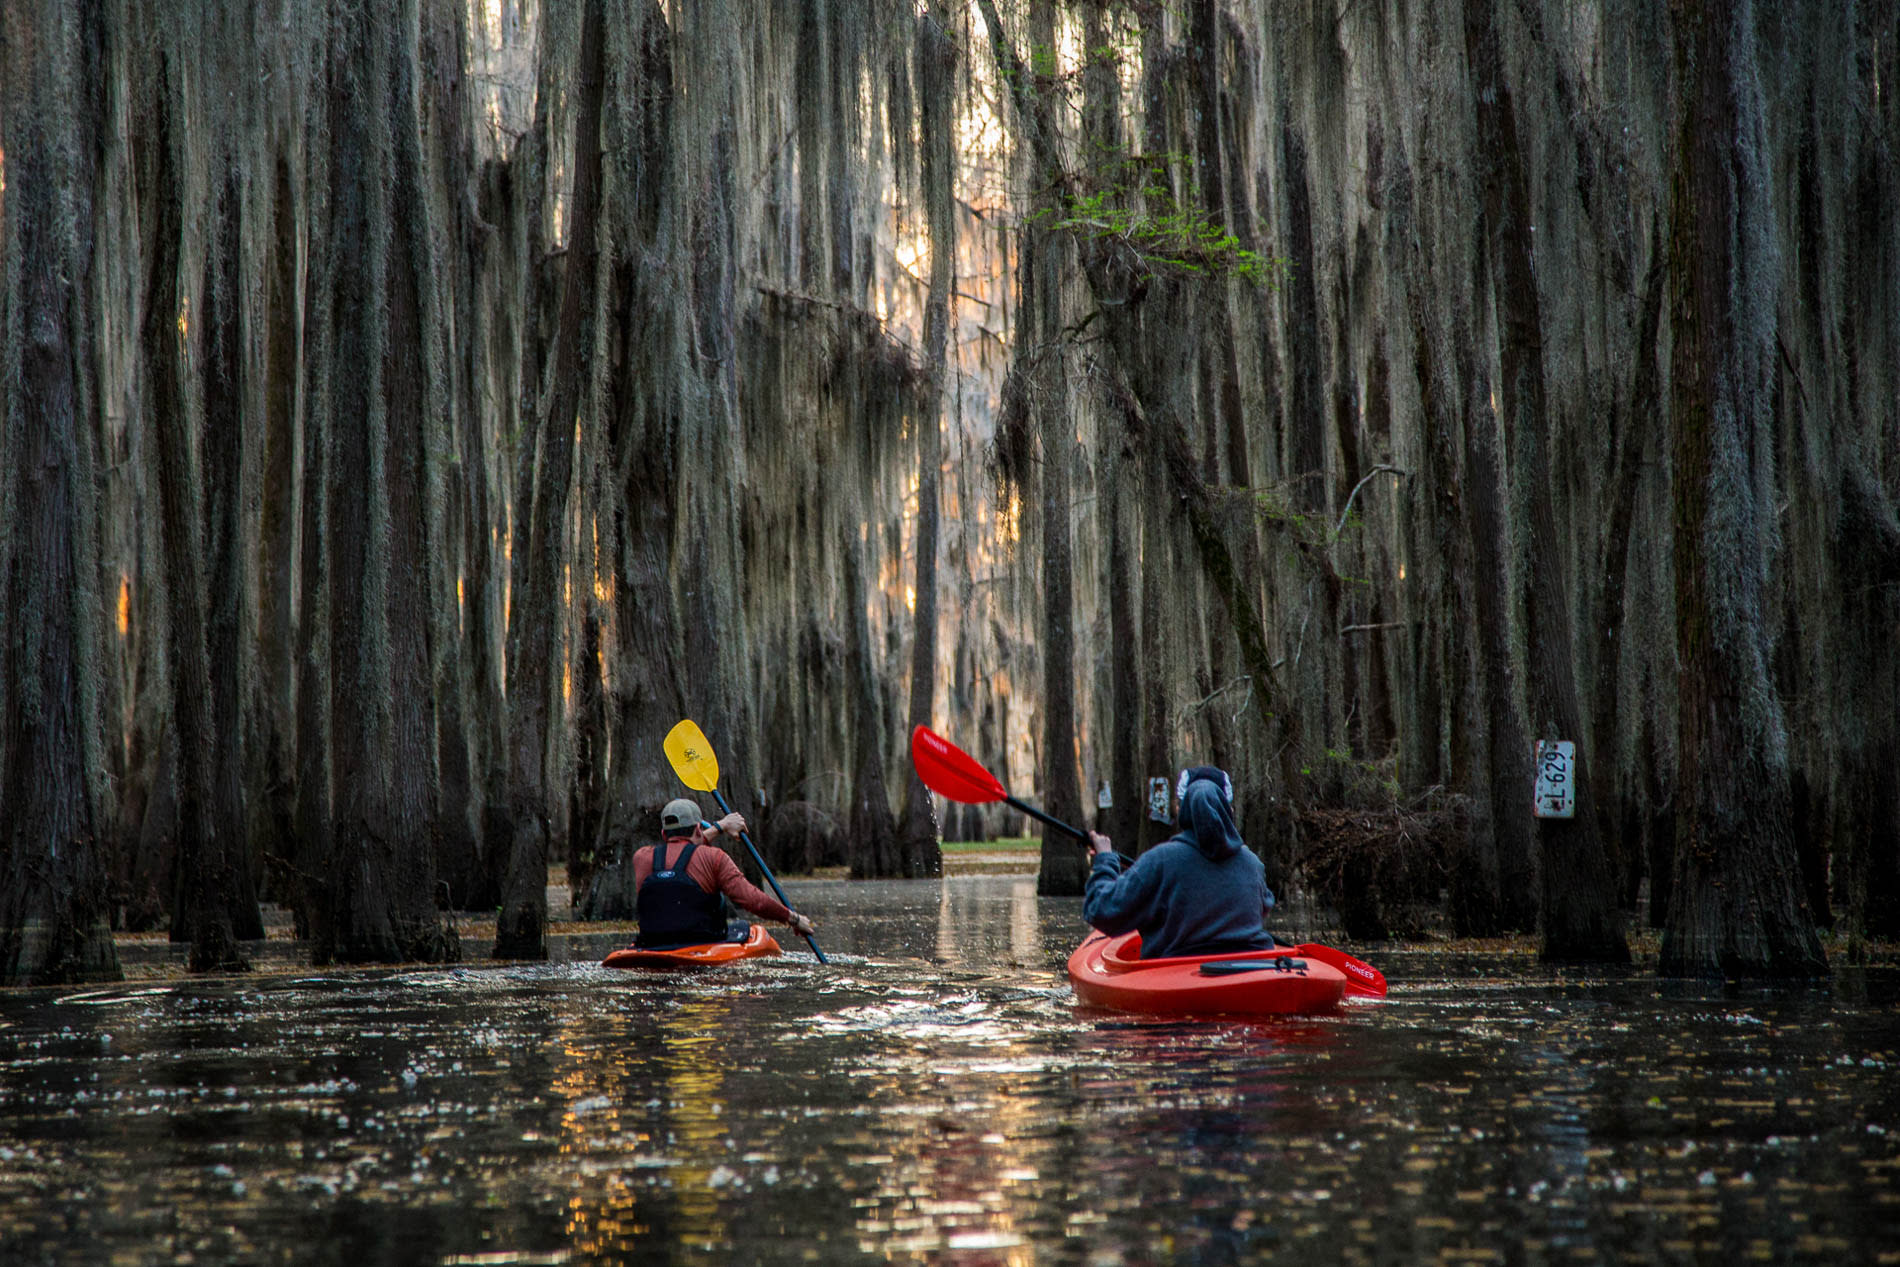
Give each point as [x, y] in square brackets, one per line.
[1201, 891]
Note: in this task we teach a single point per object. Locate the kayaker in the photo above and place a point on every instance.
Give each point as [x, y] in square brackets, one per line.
[1199, 892]
[677, 893]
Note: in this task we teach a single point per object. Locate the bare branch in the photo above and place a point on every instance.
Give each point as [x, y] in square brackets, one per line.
[1377, 470]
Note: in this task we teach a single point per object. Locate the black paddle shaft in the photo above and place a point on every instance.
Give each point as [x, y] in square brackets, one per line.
[769, 877]
[1056, 823]
[1059, 825]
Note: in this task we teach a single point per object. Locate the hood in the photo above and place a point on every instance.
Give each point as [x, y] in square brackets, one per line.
[1207, 823]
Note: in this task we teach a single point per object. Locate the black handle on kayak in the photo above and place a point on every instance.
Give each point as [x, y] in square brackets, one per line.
[769, 877]
[1234, 967]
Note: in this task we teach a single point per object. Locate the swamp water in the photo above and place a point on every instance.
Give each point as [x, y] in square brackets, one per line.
[936, 1094]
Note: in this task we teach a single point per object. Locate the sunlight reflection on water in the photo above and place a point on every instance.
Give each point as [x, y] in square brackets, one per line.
[936, 1093]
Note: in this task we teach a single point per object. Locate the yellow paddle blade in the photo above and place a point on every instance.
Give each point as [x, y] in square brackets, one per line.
[692, 756]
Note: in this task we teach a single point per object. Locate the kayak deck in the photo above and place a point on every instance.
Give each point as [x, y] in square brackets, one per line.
[1109, 972]
[757, 944]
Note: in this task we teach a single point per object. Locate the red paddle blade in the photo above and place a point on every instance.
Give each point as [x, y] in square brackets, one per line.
[949, 771]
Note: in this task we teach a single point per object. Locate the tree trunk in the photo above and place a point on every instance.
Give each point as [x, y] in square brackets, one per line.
[412, 380]
[455, 471]
[229, 533]
[203, 879]
[1617, 805]
[313, 724]
[379, 894]
[53, 878]
[1475, 883]
[208, 870]
[521, 928]
[873, 829]
[1063, 866]
[587, 810]
[1581, 922]
[1157, 553]
[272, 743]
[647, 673]
[917, 838]
[1508, 758]
[1735, 907]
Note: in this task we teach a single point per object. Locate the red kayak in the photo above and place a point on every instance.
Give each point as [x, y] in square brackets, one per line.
[1110, 972]
[757, 945]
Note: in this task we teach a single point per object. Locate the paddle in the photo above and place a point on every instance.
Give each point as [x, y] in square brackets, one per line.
[950, 771]
[693, 760]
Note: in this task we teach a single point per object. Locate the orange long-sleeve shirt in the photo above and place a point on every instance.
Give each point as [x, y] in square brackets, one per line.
[714, 871]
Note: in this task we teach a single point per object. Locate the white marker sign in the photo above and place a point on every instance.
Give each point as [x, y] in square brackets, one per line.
[1158, 791]
[1555, 795]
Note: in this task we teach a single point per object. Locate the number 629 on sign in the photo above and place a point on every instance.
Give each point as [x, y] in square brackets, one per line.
[1555, 794]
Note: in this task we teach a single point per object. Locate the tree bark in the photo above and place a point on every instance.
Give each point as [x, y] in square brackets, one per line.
[52, 873]
[521, 928]
[1735, 906]
[917, 837]
[1475, 889]
[217, 899]
[378, 900]
[1508, 757]
[411, 379]
[1617, 807]
[1580, 919]
[873, 829]
[270, 760]
[1063, 866]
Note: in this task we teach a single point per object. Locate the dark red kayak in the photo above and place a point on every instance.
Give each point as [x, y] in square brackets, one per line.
[757, 944]
[1110, 972]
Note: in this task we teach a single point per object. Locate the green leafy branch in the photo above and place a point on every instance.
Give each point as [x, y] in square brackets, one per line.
[1129, 201]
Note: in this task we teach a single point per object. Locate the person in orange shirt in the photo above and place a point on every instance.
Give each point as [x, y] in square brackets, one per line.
[678, 884]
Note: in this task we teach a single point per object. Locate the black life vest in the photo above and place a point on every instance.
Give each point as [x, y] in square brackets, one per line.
[673, 910]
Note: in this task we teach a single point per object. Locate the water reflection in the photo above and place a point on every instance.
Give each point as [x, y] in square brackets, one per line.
[936, 1095]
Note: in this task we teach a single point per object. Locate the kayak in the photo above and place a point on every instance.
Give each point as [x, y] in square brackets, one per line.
[757, 945]
[1110, 972]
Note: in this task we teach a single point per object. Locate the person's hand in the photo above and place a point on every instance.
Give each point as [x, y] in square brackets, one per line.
[1101, 843]
[732, 824]
[802, 925]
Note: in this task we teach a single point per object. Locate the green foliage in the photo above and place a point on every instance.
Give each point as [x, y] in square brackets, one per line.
[1002, 844]
[1364, 783]
[1311, 529]
[1274, 505]
[1128, 201]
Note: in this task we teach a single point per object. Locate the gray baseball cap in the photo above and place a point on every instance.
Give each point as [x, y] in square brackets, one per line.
[680, 815]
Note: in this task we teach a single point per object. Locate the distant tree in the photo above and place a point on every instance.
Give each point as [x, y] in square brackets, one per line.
[207, 876]
[1063, 865]
[1579, 915]
[919, 851]
[872, 827]
[52, 866]
[1736, 905]
[1503, 772]
[377, 896]
[521, 929]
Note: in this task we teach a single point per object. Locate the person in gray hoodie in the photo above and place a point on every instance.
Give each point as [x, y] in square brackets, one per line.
[1199, 892]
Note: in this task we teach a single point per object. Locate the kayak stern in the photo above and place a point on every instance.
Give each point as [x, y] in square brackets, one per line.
[1109, 972]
